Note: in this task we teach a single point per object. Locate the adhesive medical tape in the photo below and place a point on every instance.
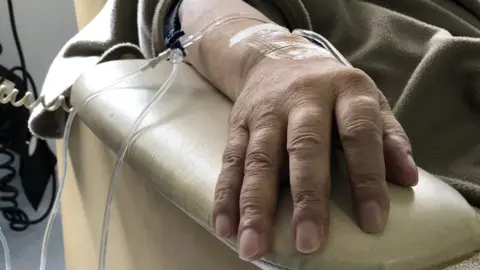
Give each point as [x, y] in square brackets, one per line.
[276, 42]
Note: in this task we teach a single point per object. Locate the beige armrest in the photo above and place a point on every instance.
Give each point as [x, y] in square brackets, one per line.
[431, 225]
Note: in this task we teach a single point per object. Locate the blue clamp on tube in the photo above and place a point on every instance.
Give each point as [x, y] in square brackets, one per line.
[172, 42]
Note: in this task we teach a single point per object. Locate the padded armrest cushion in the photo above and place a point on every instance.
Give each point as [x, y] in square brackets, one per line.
[431, 226]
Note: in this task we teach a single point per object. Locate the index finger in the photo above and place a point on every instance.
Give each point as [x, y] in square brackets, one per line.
[309, 157]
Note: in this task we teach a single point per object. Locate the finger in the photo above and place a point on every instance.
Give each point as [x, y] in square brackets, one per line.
[227, 189]
[308, 144]
[259, 193]
[399, 164]
[360, 129]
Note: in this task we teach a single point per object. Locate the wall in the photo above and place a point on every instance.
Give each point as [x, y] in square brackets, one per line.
[43, 27]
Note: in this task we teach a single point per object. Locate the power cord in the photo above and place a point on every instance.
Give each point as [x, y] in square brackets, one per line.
[26, 78]
[18, 218]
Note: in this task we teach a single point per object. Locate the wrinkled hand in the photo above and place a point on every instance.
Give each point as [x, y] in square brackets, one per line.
[285, 112]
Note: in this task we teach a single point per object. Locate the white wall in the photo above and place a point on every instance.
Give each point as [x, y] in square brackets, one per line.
[43, 27]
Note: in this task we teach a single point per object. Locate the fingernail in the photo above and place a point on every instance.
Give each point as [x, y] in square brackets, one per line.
[223, 226]
[249, 244]
[308, 237]
[371, 217]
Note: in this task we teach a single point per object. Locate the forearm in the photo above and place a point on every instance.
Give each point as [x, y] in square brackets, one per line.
[224, 66]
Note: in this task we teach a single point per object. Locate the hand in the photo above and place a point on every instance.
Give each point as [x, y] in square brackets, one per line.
[285, 112]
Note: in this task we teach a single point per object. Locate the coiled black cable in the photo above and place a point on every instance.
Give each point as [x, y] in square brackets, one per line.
[18, 45]
[19, 220]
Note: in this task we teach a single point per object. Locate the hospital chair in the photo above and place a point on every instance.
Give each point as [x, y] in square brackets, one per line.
[160, 216]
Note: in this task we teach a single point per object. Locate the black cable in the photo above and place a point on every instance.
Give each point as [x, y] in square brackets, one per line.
[25, 73]
[18, 45]
[19, 220]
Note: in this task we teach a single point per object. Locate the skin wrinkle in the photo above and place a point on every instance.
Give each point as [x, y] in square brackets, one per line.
[282, 115]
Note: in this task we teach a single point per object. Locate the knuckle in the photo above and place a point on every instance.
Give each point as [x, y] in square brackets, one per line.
[384, 104]
[359, 129]
[306, 131]
[306, 80]
[308, 199]
[251, 203]
[234, 152]
[401, 136]
[309, 115]
[353, 78]
[368, 185]
[306, 140]
[361, 120]
[364, 102]
[232, 159]
[236, 118]
[252, 218]
[258, 160]
[251, 209]
[223, 194]
[265, 116]
[394, 129]
[304, 89]
[266, 108]
[398, 138]
[366, 181]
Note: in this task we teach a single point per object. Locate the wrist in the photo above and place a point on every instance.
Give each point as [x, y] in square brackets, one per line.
[224, 66]
[211, 56]
[269, 47]
[227, 54]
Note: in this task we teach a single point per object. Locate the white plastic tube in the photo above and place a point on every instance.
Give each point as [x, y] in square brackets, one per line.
[66, 136]
[177, 59]
[6, 251]
[152, 63]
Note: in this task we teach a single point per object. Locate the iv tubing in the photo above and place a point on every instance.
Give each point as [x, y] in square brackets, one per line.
[321, 41]
[6, 251]
[43, 254]
[186, 42]
[51, 218]
[122, 152]
[315, 38]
